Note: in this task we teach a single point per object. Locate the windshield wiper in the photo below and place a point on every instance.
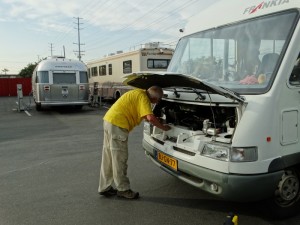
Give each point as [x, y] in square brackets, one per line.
[200, 96]
[176, 93]
[233, 92]
[199, 93]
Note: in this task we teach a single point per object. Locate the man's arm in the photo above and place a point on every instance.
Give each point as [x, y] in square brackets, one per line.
[153, 120]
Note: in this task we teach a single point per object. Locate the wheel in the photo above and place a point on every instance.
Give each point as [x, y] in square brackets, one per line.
[38, 106]
[117, 96]
[285, 202]
[78, 107]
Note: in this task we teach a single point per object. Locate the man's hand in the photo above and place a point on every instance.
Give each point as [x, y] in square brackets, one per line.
[156, 122]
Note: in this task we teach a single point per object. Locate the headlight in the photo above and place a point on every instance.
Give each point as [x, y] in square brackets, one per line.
[243, 154]
[237, 154]
[147, 128]
[215, 151]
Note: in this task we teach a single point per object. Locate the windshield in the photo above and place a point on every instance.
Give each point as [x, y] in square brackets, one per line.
[243, 57]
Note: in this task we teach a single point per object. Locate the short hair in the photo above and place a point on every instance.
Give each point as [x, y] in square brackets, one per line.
[155, 92]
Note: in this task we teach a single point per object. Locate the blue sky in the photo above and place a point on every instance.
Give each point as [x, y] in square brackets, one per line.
[30, 27]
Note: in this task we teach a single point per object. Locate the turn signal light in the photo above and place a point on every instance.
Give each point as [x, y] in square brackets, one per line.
[46, 88]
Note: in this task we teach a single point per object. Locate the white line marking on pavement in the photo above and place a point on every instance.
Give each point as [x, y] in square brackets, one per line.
[27, 113]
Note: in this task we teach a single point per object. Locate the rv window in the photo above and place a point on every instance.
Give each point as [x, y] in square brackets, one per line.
[83, 77]
[94, 71]
[102, 70]
[158, 63]
[42, 77]
[64, 78]
[109, 69]
[127, 66]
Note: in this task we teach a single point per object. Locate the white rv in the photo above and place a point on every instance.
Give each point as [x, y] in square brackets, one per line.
[232, 98]
[58, 81]
[106, 74]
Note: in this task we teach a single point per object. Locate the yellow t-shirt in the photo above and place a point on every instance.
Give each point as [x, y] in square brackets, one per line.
[128, 111]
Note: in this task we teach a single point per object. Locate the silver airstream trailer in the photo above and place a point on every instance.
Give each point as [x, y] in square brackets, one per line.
[58, 81]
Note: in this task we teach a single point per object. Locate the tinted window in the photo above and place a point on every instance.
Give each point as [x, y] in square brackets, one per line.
[158, 63]
[42, 77]
[89, 72]
[102, 70]
[94, 71]
[64, 78]
[127, 66]
[83, 77]
[109, 69]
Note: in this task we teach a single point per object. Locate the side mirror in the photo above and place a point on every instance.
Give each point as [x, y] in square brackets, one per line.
[295, 76]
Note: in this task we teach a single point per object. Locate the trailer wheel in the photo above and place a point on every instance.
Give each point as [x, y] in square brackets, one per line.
[285, 202]
[38, 106]
[78, 107]
[117, 96]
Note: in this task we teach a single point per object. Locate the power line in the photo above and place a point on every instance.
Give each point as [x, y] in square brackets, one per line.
[112, 10]
[136, 21]
[152, 23]
[106, 10]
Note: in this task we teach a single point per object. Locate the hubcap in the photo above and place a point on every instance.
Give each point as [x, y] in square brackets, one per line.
[288, 189]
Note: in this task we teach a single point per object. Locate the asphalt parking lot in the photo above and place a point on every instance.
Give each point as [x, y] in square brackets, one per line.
[49, 171]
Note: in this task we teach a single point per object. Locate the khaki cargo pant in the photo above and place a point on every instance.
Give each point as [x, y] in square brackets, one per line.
[114, 158]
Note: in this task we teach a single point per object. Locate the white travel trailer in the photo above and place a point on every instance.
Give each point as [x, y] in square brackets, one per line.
[58, 81]
[232, 98]
[106, 74]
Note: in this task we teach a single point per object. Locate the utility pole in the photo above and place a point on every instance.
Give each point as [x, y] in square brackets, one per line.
[51, 49]
[78, 32]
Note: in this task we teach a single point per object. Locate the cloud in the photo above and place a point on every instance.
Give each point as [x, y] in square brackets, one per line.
[115, 15]
[131, 15]
[51, 13]
[21, 8]
[105, 25]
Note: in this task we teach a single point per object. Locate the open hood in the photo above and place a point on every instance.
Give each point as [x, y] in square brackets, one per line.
[165, 80]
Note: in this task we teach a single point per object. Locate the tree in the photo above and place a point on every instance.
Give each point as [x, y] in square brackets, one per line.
[28, 70]
[5, 70]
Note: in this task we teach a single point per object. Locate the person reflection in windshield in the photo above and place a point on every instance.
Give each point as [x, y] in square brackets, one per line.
[251, 63]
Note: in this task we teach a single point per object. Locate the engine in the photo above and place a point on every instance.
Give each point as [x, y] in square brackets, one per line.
[211, 120]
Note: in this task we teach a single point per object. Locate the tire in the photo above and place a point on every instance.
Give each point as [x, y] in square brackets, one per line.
[285, 202]
[117, 96]
[78, 107]
[38, 107]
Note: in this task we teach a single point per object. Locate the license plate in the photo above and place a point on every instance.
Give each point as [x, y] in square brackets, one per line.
[167, 160]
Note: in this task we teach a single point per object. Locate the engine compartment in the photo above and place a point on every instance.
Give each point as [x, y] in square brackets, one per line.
[211, 120]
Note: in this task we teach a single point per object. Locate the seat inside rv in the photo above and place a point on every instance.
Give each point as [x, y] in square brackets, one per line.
[268, 63]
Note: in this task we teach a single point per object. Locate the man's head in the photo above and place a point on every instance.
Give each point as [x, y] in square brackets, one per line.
[155, 93]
